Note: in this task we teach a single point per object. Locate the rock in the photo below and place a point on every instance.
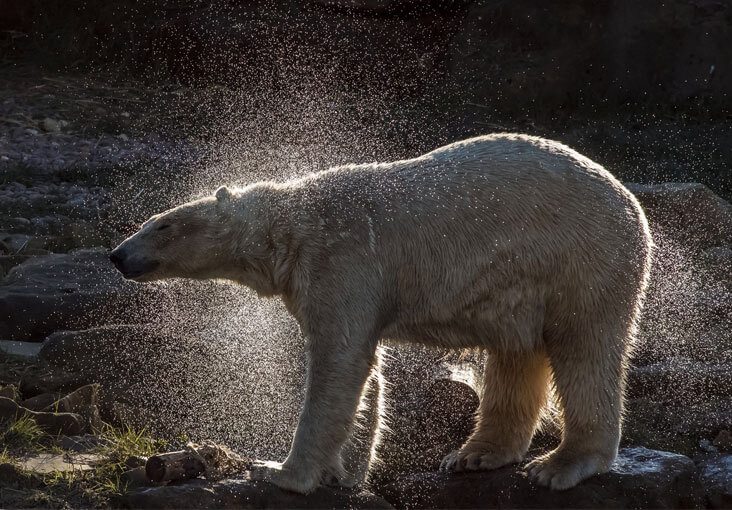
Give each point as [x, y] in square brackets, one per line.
[679, 425]
[50, 462]
[432, 412]
[10, 391]
[129, 414]
[639, 478]
[13, 476]
[64, 423]
[135, 478]
[26, 245]
[51, 126]
[718, 260]
[681, 379]
[25, 349]
[83, 401]
[76, 401]
[723, 441]
[706, 445]
[63, 291]
[100, 350]
[687, 213]
[242, 493]
[115, 356]
[715, 475]
[7, 262]
[58, 382]
[40, 402]
[83, 444]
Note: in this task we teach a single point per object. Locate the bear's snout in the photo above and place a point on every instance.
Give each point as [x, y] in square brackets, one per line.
[117, 257]
[132, 267]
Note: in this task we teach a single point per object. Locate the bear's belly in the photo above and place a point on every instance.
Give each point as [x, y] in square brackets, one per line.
[448, 336]
[497, 333]
[507, 318]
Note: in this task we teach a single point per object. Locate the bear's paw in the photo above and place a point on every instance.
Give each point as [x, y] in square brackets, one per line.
[562, 469]
[474, 458]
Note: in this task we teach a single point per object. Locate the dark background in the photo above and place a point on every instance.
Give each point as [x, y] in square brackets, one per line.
[641, 86]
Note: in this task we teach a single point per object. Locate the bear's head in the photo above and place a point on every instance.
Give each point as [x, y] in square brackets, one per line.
[214, 237]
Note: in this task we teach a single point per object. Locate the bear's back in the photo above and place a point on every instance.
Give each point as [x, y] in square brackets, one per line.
[496, 220]
[506, 175]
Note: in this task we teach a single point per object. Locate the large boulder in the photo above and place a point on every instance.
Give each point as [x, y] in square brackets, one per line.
[718, 260]
[430, 411]
[715, 474]
[103, 350]
[678, 403]
[242, 493]
[76, 290]
[688, 213]
[682, 379]
[639, 478]
[664, 421]
[120, 358]
[181, 378]
[52, 422]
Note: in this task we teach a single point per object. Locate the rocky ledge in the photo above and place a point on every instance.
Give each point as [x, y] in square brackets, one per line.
[640, 478]
[242, 493]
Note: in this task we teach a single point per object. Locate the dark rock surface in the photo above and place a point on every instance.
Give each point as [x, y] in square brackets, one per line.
[640, 478]
[430, 411]
[715, 475]
[100, 350]
[10, 391]
[76, 290]
[245, 494]
[689, 213]
[116, 357]
[682, 377]
[14, 477]
[55, 423]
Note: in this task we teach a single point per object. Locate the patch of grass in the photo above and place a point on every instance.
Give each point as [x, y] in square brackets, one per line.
[22, 434]
[125, 442]
[95, 488]
[6, 458]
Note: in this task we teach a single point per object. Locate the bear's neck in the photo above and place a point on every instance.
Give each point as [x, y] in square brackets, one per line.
[272, 271]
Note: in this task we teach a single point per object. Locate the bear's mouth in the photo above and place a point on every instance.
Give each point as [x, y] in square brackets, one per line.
[141, 270]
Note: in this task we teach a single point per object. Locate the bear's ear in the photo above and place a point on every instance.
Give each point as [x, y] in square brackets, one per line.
[223, 194]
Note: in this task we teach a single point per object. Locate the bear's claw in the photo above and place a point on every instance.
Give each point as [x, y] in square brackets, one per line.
[467, 459]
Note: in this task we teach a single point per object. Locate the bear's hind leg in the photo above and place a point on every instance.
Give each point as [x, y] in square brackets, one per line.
[589, 378]
[514, 393]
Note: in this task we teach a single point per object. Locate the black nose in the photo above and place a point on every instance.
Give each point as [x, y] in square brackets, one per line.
[117, 257]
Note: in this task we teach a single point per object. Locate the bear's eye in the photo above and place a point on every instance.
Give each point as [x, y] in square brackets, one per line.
[163, 227]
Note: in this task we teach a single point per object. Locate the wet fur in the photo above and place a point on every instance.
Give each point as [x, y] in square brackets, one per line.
[510, 243]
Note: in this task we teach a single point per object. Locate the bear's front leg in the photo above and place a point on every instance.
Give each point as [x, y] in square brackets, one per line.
[337, 371]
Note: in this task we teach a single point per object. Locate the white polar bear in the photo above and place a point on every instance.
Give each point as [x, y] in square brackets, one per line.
[510, 243]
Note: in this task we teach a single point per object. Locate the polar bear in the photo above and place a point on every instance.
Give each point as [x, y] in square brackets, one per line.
[510, 243]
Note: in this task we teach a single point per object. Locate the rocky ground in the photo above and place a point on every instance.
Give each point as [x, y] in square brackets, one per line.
[88, 359]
